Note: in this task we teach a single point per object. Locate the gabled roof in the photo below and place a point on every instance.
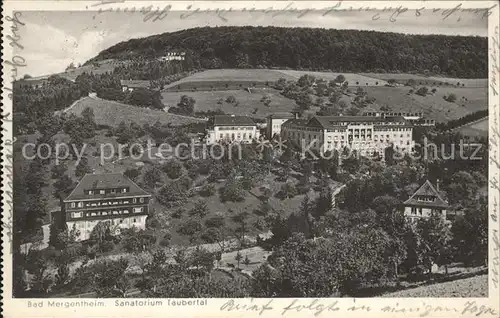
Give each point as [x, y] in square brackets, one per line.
[135, 83]
[296, 121]
[232, 120]
[427, 189]
[282, 116]
[104, 181]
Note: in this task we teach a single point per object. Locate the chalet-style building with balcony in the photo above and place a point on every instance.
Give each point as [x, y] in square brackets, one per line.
[106, 197]
[425, 202]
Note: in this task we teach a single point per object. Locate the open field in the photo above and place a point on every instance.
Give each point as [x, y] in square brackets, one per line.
[104, 66]
[433, 106]
[207, 100]
[430, 80]
[236, 75]
[476, 286]
[478, 128]
[221, 79]
[469, 82]
[353, 78]
[111, 113]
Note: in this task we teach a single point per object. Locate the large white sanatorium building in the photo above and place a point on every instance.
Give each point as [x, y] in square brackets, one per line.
[106, 197]
[366, 134]
[232, 128]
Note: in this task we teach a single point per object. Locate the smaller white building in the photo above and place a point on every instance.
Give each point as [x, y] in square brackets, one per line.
[274, 122]
[131, 85]
[232, 128]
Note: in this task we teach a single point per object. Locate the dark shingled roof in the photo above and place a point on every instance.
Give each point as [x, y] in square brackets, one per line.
[296, 121]
[229, 120]
[427, 189]
[282, 115]
[104, 181]
[135, 83]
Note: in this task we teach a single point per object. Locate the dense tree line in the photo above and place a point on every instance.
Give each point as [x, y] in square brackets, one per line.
[314, 49]
[32, 104]
[469, 118]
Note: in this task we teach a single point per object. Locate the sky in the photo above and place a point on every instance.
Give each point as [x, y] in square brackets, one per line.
[54, 39]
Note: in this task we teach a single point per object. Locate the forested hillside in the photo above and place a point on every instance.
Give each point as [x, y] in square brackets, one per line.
[314, 49]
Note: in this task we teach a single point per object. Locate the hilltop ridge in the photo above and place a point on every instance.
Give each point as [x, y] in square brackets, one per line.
[313, 49]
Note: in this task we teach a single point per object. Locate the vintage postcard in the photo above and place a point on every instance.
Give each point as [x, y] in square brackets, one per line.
[250, 158]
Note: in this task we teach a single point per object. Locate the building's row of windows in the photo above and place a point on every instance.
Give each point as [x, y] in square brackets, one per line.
[82, 204]
[236, 136]
[236, 128]
[81, 225]
[106, 213]
[106, 191]
[423, 198]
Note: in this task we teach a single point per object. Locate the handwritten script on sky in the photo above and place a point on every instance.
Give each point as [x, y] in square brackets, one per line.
[392, 13]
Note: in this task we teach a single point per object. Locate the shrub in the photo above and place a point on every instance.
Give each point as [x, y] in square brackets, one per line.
[172, 168]
[177, 214]
[207, 190]
[422, 91]
[106, 246]
[451, 98]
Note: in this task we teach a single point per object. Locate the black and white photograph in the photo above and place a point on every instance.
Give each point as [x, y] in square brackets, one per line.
[163, 153]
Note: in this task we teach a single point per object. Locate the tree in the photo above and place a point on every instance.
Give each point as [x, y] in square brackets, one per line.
[232, 191]
[340, 79]
[217, 221]
[241, 218]
[191, 228]
[146, 98]
[324, 203]
[186, 104]
[88, 116]
[172, 168]
[422, 91]
[304, 101]
[107, 278]
[411, 82]
[137, 241]
[200, 209]
[323, 267]
[82, 168]
[231, 99]
[207, 190]
[37, 264]
[436, 236]
[246, 261]
[462, 189]
[288, 190]
[306, 80]
[132, 174]
[101, 232]
[470, 234]
[238, 258]
[152, 177]
[59, 170]
[202, 259]
[266, 99]
[451, 98]
[173, 193]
